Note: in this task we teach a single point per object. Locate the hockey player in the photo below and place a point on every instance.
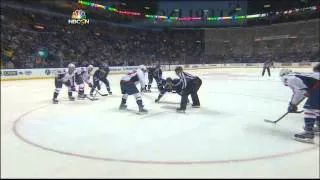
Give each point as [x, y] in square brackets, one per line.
[65, 77]
[82, 76]
[150, 77]
[170, 85]
[128, 85]
[304, 85]
[190, 85]
[101, 75]
[154, 73]
[266, 66]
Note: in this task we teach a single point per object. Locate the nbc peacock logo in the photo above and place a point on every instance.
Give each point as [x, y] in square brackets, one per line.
[78, 17]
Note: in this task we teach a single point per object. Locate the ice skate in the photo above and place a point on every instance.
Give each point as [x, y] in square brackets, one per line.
[195, 106]
[306, 136]
[123, 107]
[81, 96]
[55, 101]
[71, 98]
[180, 110]
[142, 110]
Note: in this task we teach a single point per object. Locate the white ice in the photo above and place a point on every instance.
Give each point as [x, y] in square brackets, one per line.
[226, 138]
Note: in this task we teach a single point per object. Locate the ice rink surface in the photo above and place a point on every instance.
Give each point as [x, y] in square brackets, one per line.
[226, 138]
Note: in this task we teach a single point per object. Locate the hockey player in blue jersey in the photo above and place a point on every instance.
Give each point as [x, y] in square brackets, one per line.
[101, 75]
[304, 85]
[65, 77]
[154, 73]
[128, 86]
[190, 86]
[169, 85]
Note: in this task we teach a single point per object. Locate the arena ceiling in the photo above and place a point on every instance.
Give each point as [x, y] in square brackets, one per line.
[153, 7]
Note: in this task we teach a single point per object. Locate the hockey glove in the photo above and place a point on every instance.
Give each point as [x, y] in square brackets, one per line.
[90, 85]
[292, 108]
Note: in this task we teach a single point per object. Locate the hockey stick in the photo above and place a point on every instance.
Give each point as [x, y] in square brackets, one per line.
[269, 121]
[92, 99]
[97, 91]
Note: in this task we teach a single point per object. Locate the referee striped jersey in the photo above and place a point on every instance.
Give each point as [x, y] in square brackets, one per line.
[185, 78]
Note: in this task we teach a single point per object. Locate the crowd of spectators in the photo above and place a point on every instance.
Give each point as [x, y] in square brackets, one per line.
[25, 34]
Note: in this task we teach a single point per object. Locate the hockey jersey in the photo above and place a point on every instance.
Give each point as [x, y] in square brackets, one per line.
[83, 73]
[65, 76]
[136, 77]
[157, 74]
[300, 83]
[267, 64]
[101, 73]
[185, 78]
[151, 71]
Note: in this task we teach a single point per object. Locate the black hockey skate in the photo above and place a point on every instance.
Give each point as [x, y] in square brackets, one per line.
[71, 98]
[306, 136]
[195, 106]
[82, 96]
[55, 101]
[123, 107]
[110, 92]
[142, 110]
[180, 110]
[157, 100]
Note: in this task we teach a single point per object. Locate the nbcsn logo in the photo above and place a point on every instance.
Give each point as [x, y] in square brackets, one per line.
[78, 17]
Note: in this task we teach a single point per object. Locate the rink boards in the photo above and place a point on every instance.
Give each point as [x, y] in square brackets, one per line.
[46, 73]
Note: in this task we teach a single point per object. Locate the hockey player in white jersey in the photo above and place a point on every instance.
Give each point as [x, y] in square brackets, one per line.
[128, 85]
[65, 77]
[304, 85]
[82, 75]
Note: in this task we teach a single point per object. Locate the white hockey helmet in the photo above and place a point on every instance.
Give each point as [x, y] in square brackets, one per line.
[284, 72]
[90, 68]
[143, 68]
[71, 68]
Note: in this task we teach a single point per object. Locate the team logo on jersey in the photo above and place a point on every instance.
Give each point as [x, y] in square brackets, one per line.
[78, 17]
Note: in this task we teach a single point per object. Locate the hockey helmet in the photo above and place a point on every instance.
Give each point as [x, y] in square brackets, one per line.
[316, 68]
[71, 68]
[90, 68]
[178, 69]
[169, 80]
[284, 72]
